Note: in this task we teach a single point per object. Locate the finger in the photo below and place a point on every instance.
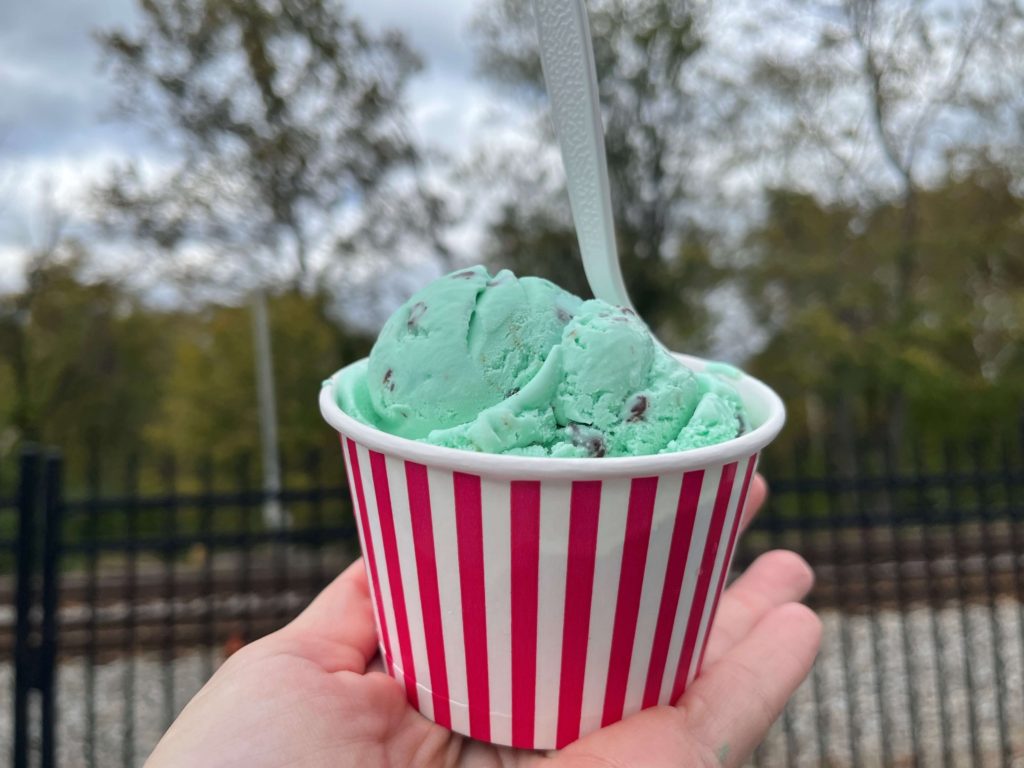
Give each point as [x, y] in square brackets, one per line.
[773, 579]
[724, 714]
[730, 708]
[337, 630]
[755, 500]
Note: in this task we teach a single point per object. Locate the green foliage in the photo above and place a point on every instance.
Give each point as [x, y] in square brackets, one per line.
[883, 272]
[284, 121]
[210, 405]
[92, 370]
[819, 280]
[83, 361]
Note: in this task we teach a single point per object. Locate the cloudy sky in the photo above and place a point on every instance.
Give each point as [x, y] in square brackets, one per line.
[57, 136]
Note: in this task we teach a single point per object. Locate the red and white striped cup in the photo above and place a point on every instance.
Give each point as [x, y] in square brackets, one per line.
[530, 601]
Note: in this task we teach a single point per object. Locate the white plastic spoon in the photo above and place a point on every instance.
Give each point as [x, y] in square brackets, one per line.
[567, 58]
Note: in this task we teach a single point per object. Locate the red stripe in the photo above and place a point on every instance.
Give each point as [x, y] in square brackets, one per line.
[707, 565]
[584, 508]
[391, 560]
[682, 533]
[430, 597]
[728, 557]
[371, 558]
[525, 537]
[470, 535]
[642, 493]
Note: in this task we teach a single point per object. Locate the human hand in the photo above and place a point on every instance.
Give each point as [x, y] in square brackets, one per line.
[307, 695]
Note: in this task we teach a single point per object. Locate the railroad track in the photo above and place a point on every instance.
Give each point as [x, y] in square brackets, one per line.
[231, 599]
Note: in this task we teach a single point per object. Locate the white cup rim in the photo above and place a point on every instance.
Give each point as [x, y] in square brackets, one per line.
[759, 399]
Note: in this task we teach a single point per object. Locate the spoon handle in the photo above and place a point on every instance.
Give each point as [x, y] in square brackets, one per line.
[567, 58]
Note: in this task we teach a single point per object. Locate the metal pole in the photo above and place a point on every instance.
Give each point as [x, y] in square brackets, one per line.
[24, 657]
[273, 513]
[51, 589]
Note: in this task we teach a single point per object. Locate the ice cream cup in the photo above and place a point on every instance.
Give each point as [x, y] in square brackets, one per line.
[530, 601]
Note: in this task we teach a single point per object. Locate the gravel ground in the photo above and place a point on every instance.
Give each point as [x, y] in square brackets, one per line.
[967, 668]
[965, 705]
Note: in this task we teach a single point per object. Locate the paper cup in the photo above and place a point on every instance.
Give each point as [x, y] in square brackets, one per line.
[530, 601]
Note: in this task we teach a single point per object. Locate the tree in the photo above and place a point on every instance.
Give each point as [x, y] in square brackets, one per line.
[871, 105]
[206, 409]
[644, 51]
[826, 310]
[88, 367]
[285, 124]
[84, 361]
[888, 98]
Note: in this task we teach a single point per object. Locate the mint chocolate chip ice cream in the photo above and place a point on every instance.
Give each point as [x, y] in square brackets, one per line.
[516, 365]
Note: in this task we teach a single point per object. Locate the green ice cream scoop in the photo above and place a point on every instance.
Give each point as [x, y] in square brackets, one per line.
[462, 344]
[517, 365]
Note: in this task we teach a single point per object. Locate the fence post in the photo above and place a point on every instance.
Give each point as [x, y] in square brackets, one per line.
[24, 656]
[47, 666]
[35, 645]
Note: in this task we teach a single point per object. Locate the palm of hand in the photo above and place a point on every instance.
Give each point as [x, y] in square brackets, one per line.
[304, 696]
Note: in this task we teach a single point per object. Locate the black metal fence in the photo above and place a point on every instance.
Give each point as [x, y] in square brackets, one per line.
[918, 565]
[125, 602]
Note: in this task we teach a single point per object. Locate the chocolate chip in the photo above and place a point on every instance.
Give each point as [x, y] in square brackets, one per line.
[741, 424]
[388, 383]
[628, 311]
[467, 274]
[563, 316]
[513, 391]
[415, 313]
[637, 408]
[589, 440]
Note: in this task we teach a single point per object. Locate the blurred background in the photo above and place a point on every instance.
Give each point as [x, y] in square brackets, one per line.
[208, 206]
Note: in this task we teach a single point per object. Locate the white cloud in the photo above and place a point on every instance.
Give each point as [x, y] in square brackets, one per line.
[55, 138]
[437, 30]
[12, 265]
[34, 186]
